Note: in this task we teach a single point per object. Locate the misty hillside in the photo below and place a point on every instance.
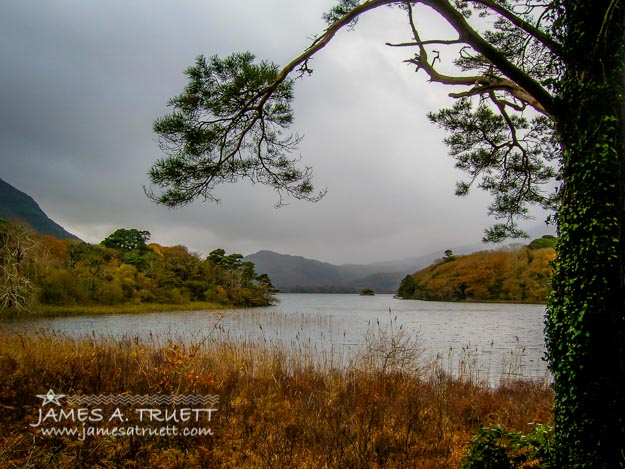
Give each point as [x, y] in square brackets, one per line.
[298, 274]
[18, 207]
[514, 273]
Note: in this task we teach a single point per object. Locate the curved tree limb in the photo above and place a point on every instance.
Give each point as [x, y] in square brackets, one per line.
[544, 101]
[519, 84]
[520, 23]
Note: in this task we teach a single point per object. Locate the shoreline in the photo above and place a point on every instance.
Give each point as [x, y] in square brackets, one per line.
[49, 311]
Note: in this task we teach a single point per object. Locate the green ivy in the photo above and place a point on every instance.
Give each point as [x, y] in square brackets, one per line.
[585, 325]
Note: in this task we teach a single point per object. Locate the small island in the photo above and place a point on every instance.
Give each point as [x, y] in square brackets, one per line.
[367, 292]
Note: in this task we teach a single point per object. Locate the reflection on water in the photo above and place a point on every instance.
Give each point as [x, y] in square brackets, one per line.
[479, 341]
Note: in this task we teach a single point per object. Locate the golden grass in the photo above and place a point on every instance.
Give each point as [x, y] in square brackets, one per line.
[49, 311]
[278, 408]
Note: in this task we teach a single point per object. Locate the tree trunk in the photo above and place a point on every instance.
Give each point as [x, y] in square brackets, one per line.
[585, 327]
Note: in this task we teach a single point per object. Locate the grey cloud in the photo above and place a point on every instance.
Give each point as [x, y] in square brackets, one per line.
[82, 83]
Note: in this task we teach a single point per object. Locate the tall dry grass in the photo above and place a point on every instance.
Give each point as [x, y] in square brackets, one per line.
[278, 408]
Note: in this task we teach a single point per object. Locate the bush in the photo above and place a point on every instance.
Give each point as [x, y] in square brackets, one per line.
[498, 448]
[60, 287]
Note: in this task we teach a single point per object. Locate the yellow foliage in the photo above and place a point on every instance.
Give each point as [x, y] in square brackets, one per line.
[518, 274]
[157, 248]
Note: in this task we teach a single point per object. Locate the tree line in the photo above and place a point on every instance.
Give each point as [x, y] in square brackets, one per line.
[122, 268]
[520, 274]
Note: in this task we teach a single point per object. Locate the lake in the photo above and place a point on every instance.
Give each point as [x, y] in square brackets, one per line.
[489, 342]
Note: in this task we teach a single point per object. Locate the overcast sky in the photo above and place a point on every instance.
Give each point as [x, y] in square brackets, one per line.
[81, 83]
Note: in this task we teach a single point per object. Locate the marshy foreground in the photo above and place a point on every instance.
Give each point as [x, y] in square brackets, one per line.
[271, 407]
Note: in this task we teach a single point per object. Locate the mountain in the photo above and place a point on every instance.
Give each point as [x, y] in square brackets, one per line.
[298, 274]
[18, 207]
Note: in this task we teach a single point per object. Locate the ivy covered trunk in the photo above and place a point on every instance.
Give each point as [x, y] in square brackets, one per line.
[585, 328]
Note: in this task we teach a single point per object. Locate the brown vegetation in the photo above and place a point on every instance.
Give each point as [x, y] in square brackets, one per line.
[518, 274]
[277, 408]
[44, 271]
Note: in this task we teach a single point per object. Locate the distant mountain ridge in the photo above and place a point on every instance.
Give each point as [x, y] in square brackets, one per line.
[18, 207]
[299, 274]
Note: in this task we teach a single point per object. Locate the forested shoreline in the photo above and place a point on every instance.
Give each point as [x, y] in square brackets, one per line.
[515, 274]
[39, 270]
[124, 269]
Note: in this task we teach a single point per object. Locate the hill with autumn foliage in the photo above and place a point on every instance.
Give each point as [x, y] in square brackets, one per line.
[515, 274]
[123, 269]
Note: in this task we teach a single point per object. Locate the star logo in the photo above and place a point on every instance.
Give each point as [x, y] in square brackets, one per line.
[50, 398]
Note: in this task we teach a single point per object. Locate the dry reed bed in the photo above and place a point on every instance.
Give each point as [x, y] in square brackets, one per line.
[278, 408]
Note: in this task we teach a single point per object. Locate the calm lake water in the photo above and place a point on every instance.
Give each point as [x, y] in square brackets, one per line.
[490, 342]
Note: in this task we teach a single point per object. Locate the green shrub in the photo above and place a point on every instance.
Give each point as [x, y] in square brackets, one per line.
[498, 448]
[60, 287]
